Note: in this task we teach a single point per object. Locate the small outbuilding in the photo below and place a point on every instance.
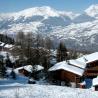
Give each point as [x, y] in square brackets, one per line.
[28, 69]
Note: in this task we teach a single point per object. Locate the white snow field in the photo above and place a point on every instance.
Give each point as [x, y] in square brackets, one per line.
[10, 89]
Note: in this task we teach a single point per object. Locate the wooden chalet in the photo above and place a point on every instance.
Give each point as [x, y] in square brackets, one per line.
[91, 60]
[28, 69]
[77, 71]
[25, 70]
[68, 72]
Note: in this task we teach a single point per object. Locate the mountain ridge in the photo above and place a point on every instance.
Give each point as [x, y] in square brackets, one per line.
[79, 29]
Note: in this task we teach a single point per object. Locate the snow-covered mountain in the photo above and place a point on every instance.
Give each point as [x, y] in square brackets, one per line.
[32, 18]
[92, 11]
[79, 31]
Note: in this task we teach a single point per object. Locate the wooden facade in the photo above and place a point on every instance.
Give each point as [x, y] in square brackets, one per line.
[66, 76]
[24, 72]
[89, 67]
[91, 70]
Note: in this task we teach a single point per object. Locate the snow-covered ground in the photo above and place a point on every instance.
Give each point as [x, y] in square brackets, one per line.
[19, 88]
[16, 89]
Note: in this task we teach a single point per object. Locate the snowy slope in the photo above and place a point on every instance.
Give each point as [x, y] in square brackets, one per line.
[80, 29]
[43, 91]
[20, 89]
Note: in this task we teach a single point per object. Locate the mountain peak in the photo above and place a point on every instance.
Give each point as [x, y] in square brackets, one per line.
[92, 10]
[44, 11]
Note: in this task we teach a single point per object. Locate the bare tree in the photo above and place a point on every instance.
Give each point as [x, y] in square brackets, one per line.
[28, 45]
[35, 49]
[48, 43]
[20, 41]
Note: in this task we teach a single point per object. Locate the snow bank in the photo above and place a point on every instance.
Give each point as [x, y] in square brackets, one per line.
[44, 91]
[95, 81]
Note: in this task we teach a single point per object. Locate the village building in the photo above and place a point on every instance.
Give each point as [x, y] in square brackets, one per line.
[5, 47]
[91, 70]
[28, 69]
[80, 71]
[91, 61]
[70, 73]
[25, 70]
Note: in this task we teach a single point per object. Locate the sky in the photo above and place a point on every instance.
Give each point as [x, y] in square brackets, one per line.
[65, 5]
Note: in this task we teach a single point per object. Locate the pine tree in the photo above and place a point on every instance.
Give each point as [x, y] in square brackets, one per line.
[2, 69]
[61, 52]
[8, 61]
[13, 74]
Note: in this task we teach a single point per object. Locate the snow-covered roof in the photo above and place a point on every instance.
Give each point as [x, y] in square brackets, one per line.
[89, 58]
[39, 67]
[77, 63]
[2, 44]
[29, 68]
[65, 66]
[8, 46]
[95, 81]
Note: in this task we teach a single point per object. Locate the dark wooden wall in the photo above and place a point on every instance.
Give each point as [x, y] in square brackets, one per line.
[66, 76]
[91, 70]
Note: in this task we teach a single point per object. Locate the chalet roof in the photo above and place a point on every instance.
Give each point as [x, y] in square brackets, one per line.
[29, 68]
[2, 44]
[95, 81]
[65, 66]
[77, 63]
[88, 58]
[39, 67]
[8, 46]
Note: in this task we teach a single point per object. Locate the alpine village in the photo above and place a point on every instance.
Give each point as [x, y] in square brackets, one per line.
[57, 67]
[47, 53]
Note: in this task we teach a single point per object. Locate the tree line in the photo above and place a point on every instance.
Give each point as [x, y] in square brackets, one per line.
[36, 50]
[33, 49]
